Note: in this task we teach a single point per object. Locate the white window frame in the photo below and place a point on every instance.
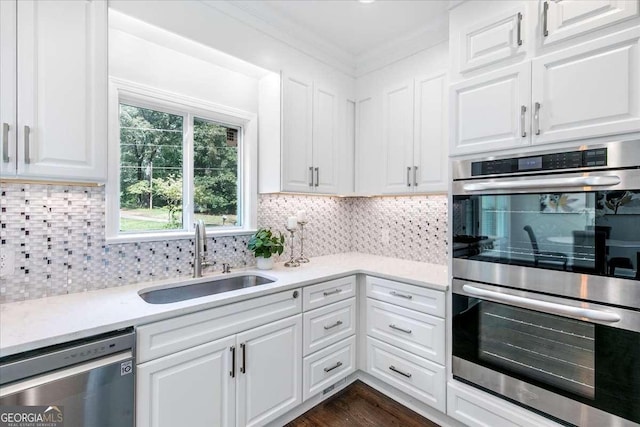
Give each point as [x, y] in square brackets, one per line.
[122, 91]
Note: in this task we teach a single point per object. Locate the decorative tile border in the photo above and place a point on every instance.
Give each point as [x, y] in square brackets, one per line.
[57, 236]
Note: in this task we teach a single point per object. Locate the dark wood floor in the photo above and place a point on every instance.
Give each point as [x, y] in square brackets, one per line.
[360, 405]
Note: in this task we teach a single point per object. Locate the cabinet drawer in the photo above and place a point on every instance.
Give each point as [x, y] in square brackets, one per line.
[414, 297]
[173, 335]
[328, 366]
[410, 330]
[414, 375]
[329, 324]
[328, 292]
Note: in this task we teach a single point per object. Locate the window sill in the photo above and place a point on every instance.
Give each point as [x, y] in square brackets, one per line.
[177, 235]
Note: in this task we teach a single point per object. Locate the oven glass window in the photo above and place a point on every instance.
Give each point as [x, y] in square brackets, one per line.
[587, 362]
[586, 232]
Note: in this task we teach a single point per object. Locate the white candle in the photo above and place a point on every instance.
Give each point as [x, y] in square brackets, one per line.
[292, 222]
[302, 216]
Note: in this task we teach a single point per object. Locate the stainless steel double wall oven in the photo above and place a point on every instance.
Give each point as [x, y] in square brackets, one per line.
[546, 289]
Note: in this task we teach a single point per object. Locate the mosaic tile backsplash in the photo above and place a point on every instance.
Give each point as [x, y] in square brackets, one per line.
[57, 236]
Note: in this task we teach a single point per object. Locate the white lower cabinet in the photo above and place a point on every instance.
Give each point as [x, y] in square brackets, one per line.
[416, 376]
[246, 380]
[189, 388]
[327, 366]
[270, 371]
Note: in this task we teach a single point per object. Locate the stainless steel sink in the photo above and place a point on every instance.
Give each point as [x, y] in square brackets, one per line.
[197, 290]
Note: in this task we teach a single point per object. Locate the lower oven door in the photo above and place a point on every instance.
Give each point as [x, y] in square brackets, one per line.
[574, 361]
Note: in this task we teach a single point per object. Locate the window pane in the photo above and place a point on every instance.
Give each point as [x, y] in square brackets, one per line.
[150, 170]
[215, 173]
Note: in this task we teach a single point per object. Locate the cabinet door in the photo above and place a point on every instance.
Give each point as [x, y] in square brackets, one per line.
[194, 387]
[570, 18]
[270, 382]
[491, 112]
[297, 106]
[430, 143]
[368, 152]
[492, 40]
[8, 87]
[325, 139]
[590, 90]
[398, 138]
[62, 89]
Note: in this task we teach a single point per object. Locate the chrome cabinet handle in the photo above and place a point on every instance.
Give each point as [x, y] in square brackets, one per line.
[337, 365]
[545, 12]
[5, 143]
[415, 176]
[317, 177]
[580, 181]
[311, 176]
[233, 361]
[243, 368]
[338, 323]
[394, 369]
[523, 110]
[519, 29]
[397, 328]
[397, 294]
[27, 157]
[544, 306]
[408, 173]
[335, 291]
[536, 118]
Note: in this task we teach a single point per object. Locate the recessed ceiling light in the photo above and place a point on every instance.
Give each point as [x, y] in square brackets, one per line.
[366, 1]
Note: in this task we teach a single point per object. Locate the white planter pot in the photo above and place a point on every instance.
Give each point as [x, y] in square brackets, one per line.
[264, 263]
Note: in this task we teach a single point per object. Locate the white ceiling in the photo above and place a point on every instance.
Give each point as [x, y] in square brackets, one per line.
[353, 32]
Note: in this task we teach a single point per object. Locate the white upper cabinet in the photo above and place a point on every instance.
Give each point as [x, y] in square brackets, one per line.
[58, 130]
[314, 137]
[490, 112]
[397, 137]
[497, 38]
[414, 135]
[297, 131]
[590, 90]
[430, 133]
[563, 19]
[8, 87]
[325, 140]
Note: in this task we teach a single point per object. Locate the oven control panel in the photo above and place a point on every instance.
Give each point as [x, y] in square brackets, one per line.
[544, 162]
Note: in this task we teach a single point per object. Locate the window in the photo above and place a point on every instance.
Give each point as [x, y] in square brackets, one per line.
[176, 164]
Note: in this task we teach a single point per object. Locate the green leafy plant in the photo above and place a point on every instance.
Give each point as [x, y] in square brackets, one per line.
[264, 243]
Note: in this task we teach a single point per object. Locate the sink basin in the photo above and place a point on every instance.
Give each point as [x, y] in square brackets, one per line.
[197, 290]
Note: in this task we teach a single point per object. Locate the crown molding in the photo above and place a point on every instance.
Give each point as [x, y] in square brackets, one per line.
[295, 36]
[435, 32]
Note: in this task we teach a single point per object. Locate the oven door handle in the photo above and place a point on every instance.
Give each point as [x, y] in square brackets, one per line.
[544, 306]
[580, 181]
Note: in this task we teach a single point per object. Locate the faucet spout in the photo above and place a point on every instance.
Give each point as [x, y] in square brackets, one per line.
[200, 248]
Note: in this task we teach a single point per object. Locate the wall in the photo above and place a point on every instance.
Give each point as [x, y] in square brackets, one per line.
[57, 236]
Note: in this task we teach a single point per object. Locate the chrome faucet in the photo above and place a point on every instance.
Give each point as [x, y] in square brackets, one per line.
[200, 252]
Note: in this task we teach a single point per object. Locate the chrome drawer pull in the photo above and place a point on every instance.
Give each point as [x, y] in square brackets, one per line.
[396, 294]
[233, 361]
[5, 143]
[317, 177]
[27, 134]
[243, 368]
[338, 323]
[545, 13]
[394, 369]
[519, 29]
[408, 173]
[311, 177]
[335, 291]
[337, 365]
[397, 328]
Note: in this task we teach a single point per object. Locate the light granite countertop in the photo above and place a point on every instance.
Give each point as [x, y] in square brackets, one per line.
[27, 325]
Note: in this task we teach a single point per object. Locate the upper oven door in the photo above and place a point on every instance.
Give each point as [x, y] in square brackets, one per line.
[571, 222]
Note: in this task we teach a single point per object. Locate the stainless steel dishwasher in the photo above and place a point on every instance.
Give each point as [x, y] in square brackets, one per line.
[88, 382]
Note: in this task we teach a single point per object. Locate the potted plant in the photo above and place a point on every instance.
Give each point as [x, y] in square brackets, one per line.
[264, 244]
